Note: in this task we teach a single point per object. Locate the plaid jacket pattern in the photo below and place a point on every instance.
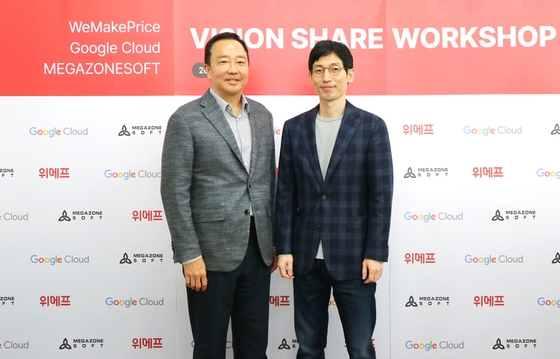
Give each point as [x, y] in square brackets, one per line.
[350, 211]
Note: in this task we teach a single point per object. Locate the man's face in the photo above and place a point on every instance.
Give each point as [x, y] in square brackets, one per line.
[229, 68]
[331, 87]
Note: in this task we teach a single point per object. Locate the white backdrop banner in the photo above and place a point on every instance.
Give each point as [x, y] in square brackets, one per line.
[470, 94]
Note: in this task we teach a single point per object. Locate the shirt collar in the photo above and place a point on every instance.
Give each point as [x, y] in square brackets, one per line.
[226, 107]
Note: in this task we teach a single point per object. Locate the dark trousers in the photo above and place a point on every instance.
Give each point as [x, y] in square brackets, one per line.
[243, 296]
[356, 306]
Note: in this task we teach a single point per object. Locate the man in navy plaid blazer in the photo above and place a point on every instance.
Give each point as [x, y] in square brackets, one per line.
[333, 208]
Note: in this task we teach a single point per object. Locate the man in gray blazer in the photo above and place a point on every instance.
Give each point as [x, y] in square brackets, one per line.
[217, 185]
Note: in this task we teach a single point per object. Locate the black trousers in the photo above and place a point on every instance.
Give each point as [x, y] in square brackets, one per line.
[355, 302]
[243, 296]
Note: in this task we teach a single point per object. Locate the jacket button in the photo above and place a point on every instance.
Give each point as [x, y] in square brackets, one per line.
[318, 226]
[247, 211]
[324, 197]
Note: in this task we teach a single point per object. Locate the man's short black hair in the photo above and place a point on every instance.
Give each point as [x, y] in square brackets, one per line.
[326, 47]
[222, 36]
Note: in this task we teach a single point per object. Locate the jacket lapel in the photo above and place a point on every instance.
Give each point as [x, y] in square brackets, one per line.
[350, 123]
[257, 135]
[311, 143]
[215, 116]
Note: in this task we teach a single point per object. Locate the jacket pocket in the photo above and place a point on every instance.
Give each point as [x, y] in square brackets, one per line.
[209, 215]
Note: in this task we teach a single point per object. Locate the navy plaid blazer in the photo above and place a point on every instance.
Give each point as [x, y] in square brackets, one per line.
[350, 211]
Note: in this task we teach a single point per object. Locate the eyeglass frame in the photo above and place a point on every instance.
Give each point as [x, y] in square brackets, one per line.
[327, 68]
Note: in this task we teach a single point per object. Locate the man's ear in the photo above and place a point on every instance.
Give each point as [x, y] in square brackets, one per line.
[350, 75]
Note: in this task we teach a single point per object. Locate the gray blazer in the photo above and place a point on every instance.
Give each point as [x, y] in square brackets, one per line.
[206, 190]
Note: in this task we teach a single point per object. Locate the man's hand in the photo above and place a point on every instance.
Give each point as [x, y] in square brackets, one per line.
[274, 264]
[371, 270]
[195, 275]
[285, 264]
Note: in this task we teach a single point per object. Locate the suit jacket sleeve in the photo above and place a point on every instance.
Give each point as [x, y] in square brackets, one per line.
[285, 197]
[380, 183]
[176, 179]
[273, 177]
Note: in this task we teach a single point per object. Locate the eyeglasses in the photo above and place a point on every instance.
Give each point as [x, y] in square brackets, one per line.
[334, 70]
